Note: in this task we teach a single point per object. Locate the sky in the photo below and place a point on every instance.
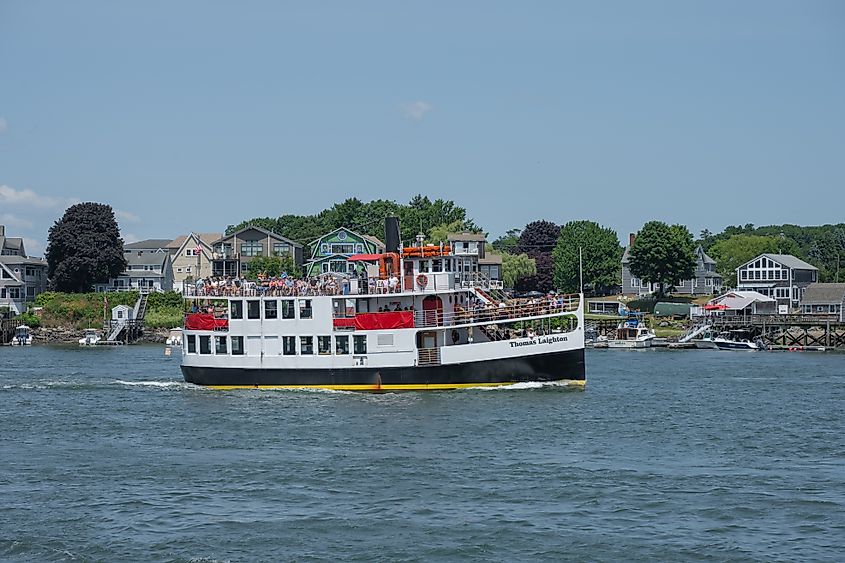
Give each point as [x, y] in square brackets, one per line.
[193, 115]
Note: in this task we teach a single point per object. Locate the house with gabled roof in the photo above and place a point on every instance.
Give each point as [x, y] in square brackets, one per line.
[780, 276]
[148, 245]
[192, 255]
[233, 253]
[146, 270]
[824, 299]
[22, 277]
[705, 280]
[331, 252]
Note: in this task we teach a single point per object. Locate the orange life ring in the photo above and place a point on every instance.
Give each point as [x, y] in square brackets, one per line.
[422, 280]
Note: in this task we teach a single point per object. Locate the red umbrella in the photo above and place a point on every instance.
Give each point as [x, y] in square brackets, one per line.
[715, 307]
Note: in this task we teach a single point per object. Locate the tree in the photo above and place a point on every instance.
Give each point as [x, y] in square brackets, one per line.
[601, 255]
[537, 240]
[663, 255]
[508, 241]
[272, 266]
[515, 266]
[440, 233]
[84, 247]
[732, 253]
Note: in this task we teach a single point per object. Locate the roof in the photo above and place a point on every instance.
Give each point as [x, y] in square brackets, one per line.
[625, 258]
[704, 256]
[260, 230]
[824, 294]
[369, 238]
[150, 243]
[738, 300]
[23, 260]
[146, 258]
[466, 237]
[12, 243]
[207, 238]
[491, 259]
[787, 260]
[374, 240]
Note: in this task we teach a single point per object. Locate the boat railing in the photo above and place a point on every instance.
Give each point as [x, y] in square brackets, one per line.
[504, 312]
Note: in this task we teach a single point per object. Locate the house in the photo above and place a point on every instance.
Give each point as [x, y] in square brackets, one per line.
[145, 271]
[705, 281]
[148, 245]
[740, 303]
[825, 299]
[474, 244]
[233, 253]
[781, 276]
[191, 255]
[21, 277]
[331, 252]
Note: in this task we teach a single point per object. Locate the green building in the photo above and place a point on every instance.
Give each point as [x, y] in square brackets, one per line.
[330, 252]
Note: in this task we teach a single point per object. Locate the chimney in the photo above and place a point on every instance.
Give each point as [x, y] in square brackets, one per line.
[391, 234]
[631, 238]
[2, 230]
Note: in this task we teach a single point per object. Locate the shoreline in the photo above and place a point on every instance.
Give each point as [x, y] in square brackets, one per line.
[63, 335]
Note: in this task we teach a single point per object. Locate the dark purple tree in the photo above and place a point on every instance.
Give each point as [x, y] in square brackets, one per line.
[84, 247]
[538, 240]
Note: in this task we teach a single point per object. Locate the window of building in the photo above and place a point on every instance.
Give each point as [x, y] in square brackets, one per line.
[289, 345]
[305, 309]
[30, 291]
[635, 282]
[191, 252]
[238, 345]
[288, 310]
[360, 343]
[337, 266]
[205, 344]
[270, 310]
[341, 345]
[219, 344]
[324, 344]
[188, 269]
[30, 271]
[359, 248]
[324, 248]
[236, 309]
[253, 309]
[14, 293]
[5, 275]
[252, 248]
[306, 345]
[280, 248]
[343, 248]
[757, 274]
[192, 344]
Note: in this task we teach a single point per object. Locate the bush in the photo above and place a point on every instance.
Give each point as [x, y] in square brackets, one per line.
[164, 317]
[168, 299]
[30, 319]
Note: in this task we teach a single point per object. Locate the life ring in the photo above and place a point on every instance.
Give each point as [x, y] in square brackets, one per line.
[422, 280]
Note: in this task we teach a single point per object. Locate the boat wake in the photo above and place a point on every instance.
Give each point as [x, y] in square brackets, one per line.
[157, 384]
[530, 385]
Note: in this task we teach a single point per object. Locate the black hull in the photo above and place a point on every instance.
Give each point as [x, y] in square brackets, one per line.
[557, 366]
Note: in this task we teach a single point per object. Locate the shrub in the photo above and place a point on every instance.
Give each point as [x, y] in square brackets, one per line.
[30, 319]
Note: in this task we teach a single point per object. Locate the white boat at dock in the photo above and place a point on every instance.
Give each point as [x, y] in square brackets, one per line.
[632, 333]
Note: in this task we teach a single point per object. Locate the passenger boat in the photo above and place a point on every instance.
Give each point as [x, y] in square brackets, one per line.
[632, 333]
[90, 338]
[22, 336]
[735, 340]
[426, 319]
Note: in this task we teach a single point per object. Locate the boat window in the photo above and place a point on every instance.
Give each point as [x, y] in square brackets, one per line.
[253, 309]
[360, 343]
[324, 345]
[304, 308]
[287, 309]
[306, 345]
[289, 345]
[436, 265]
[192, 344]
[219, 344]
[237, 308]
[341, 345]
[423, 266]
[238, 345]
[385, 340]
[205, 345]
[270, 311]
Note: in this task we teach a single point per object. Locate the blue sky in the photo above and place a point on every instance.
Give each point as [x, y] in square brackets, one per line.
[188, 116]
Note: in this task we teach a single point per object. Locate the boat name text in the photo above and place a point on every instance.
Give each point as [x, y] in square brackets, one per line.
[539, 340]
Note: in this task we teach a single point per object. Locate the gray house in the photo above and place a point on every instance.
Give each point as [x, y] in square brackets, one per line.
[233, 253]
[21, 277]
[705, 281]
[145, 271]
[824, 299]
[780, 276]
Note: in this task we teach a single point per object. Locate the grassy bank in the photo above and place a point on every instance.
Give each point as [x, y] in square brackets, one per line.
[83, 310]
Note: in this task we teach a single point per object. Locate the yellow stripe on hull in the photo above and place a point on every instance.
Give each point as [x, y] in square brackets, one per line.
[580, 383]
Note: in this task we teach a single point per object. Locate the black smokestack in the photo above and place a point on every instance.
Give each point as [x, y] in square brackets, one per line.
[391, 233]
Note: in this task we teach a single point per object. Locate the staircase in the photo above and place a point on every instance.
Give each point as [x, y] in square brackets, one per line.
[690, 335]
[140, 307]
[115, 330]
[428, 357]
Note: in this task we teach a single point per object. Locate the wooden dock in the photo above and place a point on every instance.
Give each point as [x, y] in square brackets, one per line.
[7, 329]
[785, 331]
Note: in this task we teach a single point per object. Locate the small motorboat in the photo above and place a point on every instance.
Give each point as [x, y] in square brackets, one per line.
[174, 338]
[22, 336]
[632, 333]
[736, 340]
[90, 338]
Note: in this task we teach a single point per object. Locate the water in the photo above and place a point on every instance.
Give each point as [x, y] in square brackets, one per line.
[105, 455]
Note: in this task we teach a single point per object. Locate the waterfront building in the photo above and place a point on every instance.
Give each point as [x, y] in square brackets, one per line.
[22, 277]
[705, 281]
[191, 255]
[824, 299]
[233, 253]
[159, 245]
[331, 252]
[146, 270]
[473, 262]
[739, 303]
[780, 276]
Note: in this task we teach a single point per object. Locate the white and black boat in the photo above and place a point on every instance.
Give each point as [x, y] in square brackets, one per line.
[22, 337]
[427, 320]
[632, 333]
[735, 340]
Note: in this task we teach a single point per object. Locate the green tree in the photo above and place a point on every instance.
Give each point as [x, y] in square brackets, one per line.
[735, 251]
[272, 266]
[84, 247]
[662, 254]
[537, 240]
[508, 241]
[601, 255]
[440, 233]
[516, 266]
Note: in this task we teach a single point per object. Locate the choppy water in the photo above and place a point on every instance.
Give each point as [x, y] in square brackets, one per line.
[105, 455]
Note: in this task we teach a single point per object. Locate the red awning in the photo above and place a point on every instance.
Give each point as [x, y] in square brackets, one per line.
[383, 321]
[364, 257]
[715, 307]
[204, 321]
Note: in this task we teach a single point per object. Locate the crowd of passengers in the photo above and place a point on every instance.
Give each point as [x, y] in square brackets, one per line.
[284, 285]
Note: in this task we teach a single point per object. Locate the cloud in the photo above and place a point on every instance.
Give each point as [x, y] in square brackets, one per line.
[126, 216]
[33, 247]
[12, 221]
[129, 238]
[25, 197]
[416, 110]
[3, 124]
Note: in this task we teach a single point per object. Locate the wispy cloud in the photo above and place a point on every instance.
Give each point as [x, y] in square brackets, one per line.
[126, 216]
[33, 246]
[27, 197]
[12, 221]
[129, 238]
[416, 110]
[3, 124]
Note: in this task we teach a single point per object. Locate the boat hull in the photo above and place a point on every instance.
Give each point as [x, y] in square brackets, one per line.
[725, 345]
[556, 366]
[629, 343]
